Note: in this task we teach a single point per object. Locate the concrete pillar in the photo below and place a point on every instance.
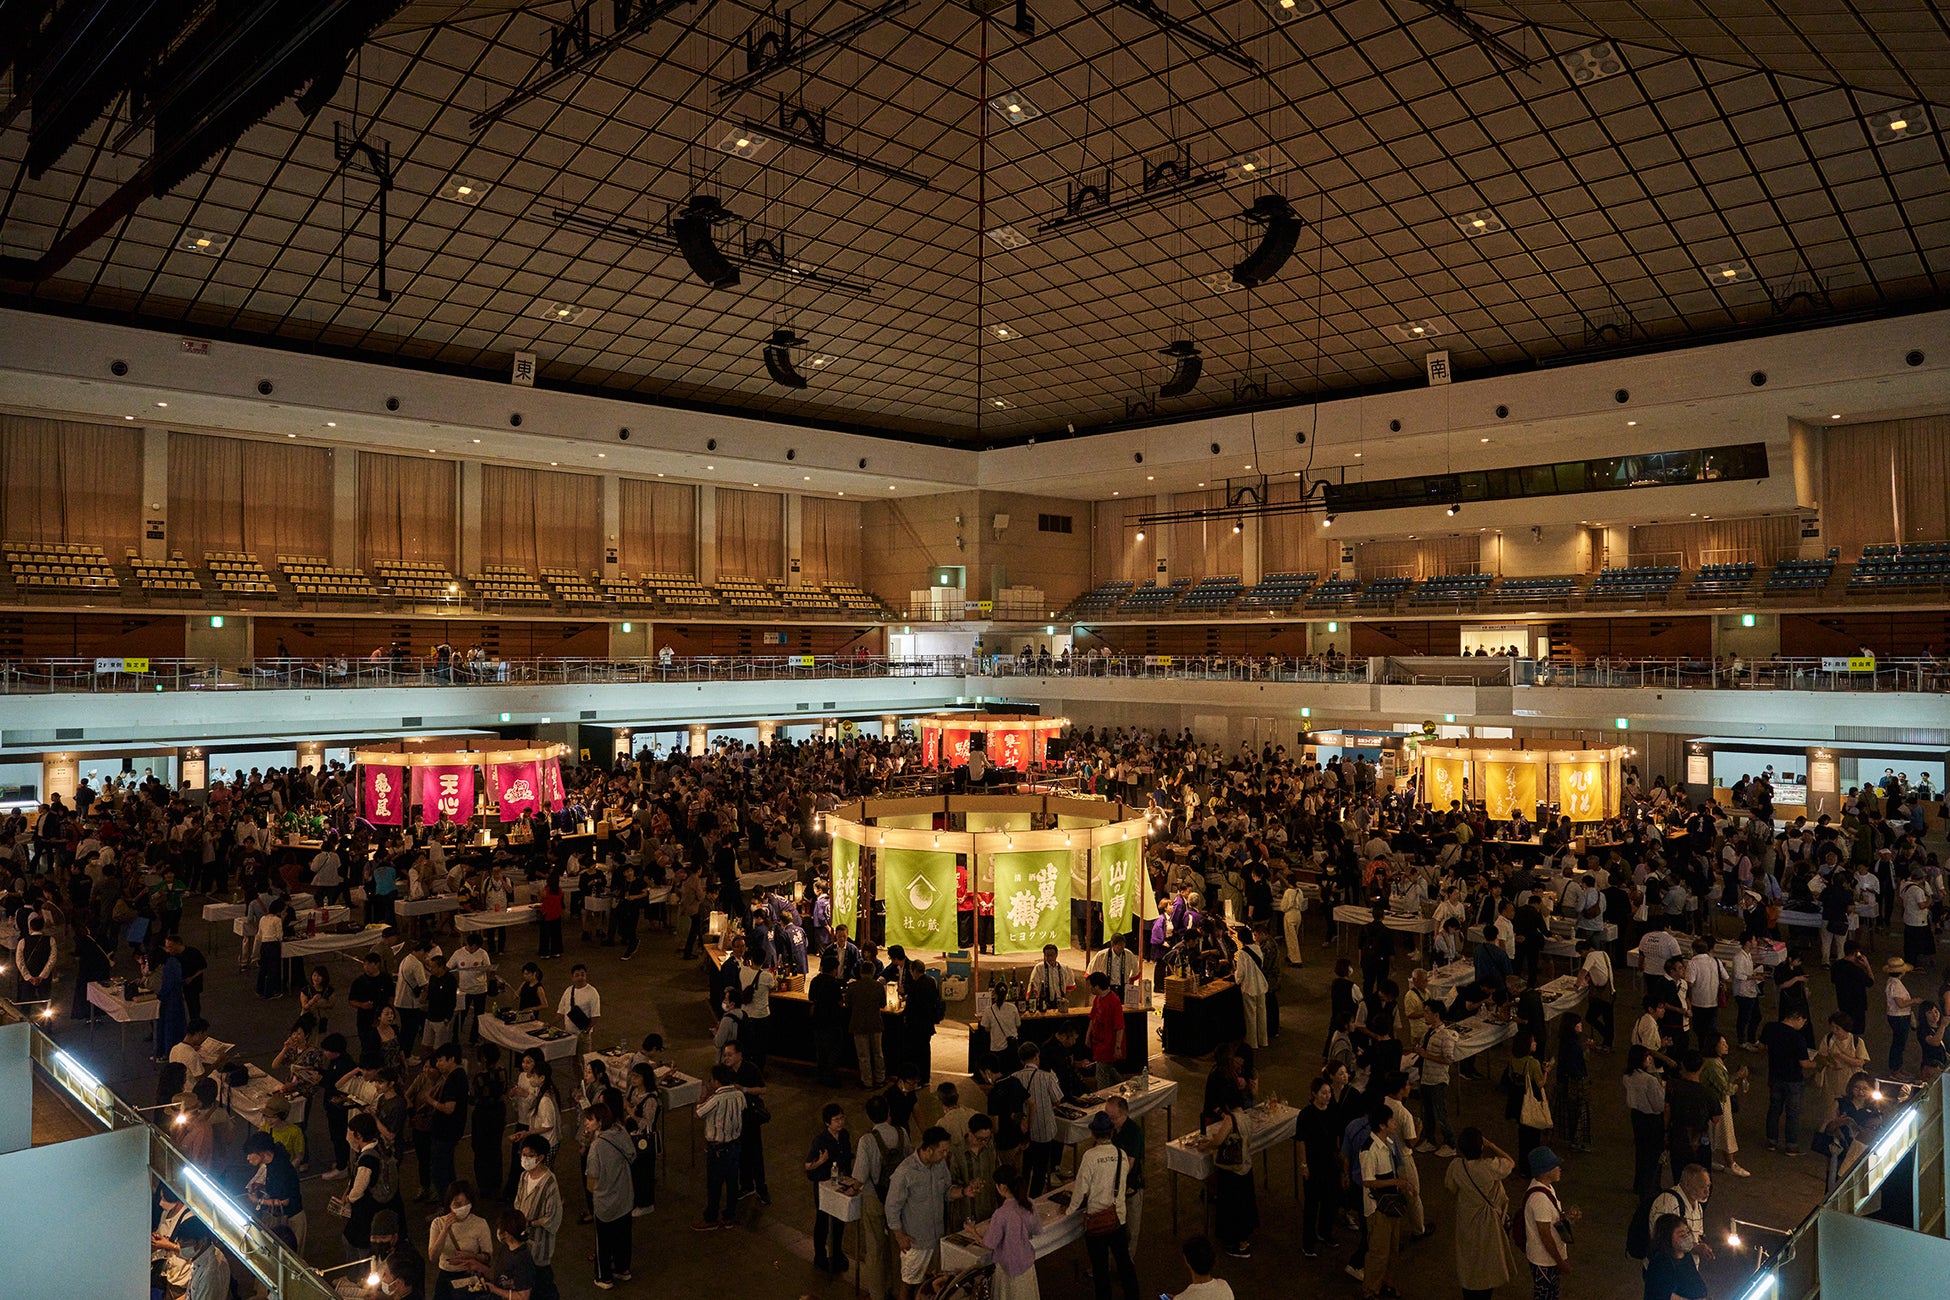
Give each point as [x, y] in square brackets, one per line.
[470, 518]
[767, 731]
[1249, 542]
[699, 736]
[345, 508]
[225, 638]
[60, 773]
[707, 535]
[795, 536]
[612, 523]
[155, 494]
[890, 726]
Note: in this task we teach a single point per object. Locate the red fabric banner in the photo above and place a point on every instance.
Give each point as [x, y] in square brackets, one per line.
[516, 785]
[445, 792]
[1006, 749]
[930, 743]
[552, 785]
[385, 795]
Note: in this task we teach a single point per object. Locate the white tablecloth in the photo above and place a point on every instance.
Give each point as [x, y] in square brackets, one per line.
[1267, 1124]
[1801, 919]
[427, 906]
[523, 914]
[1162, 1093]
[108, 998]
[1352, 914]
[1553, 946]
[246, 1101]
[1479, 1033]
[519, 1038]
[675, 1089]
[844, 1206]
[964, 1249]
[232, 911]
[321, 916]
[1767, 953]
[356, 941]
[749, 880]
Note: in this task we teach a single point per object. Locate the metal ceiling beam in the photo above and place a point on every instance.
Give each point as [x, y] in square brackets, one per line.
[767, 263]
[765, 58]
[800, 125]
[573, 50]
[1191, 35]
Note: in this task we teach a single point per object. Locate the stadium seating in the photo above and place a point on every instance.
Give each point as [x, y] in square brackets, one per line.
[1918, 564]
[1799, 575]
[1452, 589]
[1635, 582]
[1334, 591]
[1722, 580]
[1278, 591]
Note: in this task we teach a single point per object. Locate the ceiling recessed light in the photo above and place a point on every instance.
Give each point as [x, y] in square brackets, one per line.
[290, 435]
[1286, 11]
[1114, 492]
[1479, 222]
[553, 462]
[162, 403]
[1910, 122]
[740, 143]
[1000, 403]
[331, 424]
[477, 441]
[1014, 108]
[1201, 485]
[1009, 237]
[710, 467]
[806, 478]
[1592, 63]
[1724, 273]
[1835, 417]
[1003, 332]
[128, 417]
[821, 361]
[660, 473]
[461, 190]
[1148, 478]
[1359, 454]
[890, 486]
[1254, 165]
[602, 455]
[208, 243]
[1630, 423]
[560, 312]
[430, 452]
[1417, 331]
[1220, 282]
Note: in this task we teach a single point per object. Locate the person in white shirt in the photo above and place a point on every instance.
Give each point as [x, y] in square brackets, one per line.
[1293, 908]
[1656, 948]
[1050, 982]
[1703, 981]
[1595, 974]
[1919, 940]
[410, 991]
[1249, 973]
[190, 1055]
[1542, 1244]
[580, 1008]
[1746, 995]
[757, 984]
[470, 965]
[1102, 1183]
[327, 876]
[1200, 1256]
[1116, 963]
[1436, 1047]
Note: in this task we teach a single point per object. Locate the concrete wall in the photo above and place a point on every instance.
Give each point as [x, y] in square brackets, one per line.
[1557, 548]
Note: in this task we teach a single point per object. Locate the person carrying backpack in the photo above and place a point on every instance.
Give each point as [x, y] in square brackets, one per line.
[878, 1154]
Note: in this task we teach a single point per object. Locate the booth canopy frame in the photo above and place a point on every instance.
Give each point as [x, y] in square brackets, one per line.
[935, 727]
[1552, 760]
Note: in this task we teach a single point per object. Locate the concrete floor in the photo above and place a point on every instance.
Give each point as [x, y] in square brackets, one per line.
[770, 1255]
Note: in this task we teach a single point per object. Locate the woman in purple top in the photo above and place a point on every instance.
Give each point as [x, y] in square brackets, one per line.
[1010, 1238]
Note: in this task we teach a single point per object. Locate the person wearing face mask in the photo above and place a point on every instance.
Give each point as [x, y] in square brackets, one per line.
[400, 1278]
[458, 1240]
[386, 1243]
[172, 1216]
[209, 1266]
[539, 1198]
[1671, 1271]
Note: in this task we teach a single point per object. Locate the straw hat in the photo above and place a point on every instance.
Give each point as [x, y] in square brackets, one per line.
[1896, 966]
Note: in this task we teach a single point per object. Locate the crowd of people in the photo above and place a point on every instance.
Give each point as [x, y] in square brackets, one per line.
[495, 1152]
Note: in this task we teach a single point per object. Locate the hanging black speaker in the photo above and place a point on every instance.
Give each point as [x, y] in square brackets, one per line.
[778, 358]
[691, 228]
[1282, 225]
[1187, 366]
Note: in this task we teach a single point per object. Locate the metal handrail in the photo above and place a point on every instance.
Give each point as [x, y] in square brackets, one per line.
[281, 1269]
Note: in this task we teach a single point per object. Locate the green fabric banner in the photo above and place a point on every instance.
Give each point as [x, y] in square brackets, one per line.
[846, 885]
[1032, 901]
[1119, 867]
[919, 890]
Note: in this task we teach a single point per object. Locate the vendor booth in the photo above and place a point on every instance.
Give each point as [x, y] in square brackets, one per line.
[1015, 741]
[1537, 779]
[438, 780]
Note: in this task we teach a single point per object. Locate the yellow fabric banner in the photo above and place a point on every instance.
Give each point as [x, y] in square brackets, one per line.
[1583, 792]
[1508, 788]
[1443, 780]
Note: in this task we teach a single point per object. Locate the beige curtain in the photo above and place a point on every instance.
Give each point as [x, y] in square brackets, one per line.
[408, 509]
[234, 494]
[531, 518]
[62, 481]
[1860, 462]
[829, 540]
[659, 527]
[751, 534]
[1761, 540]
[1418, 558]
[1295, 543]
[1116, 552]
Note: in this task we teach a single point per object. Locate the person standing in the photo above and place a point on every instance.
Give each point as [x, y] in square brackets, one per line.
[1475, 1179]
[1128, 1134]
[876, 1157]
[1102, 1183]
[539, 1198]
[1437, 1050]
[830, 1156]
[1900, 1008]
[1249, 973]
[1744, 985]
[580, 1008]
[722, 1116]
[612, 1193]
[826, 1000]
[1318, 1131]
[1721, 1084]
[1544, 1247]
[1106, 1029]
[449, 1106]
[866, 1005]
[1789, 1061]
[917, 1207]
[1705, 979]
[1010, 1238]
[751, 1141]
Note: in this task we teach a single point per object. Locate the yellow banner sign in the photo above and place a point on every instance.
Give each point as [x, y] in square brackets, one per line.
[1444, 781]
[1508, 788]
[1582, 791]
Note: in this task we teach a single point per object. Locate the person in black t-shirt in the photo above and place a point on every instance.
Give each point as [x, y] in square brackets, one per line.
[514, 1277]
[1318, 1131]
[827, 999]
[1789, 1060]
[370, 991]
[449, 1112]
[1853, 983]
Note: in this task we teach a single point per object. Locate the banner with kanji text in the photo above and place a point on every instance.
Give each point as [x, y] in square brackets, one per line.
[1032, 900]
[385, 795]
[846, 885]
[516, 788]
[919, 890]
[445, 792]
